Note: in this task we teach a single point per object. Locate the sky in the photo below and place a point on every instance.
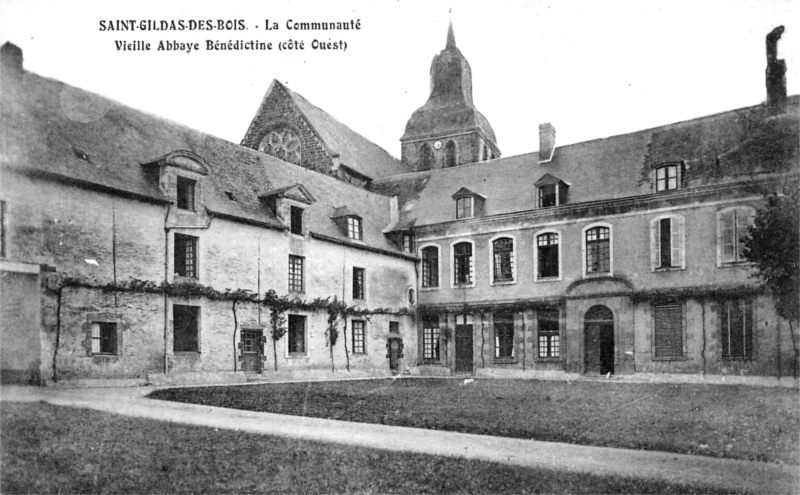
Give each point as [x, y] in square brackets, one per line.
[592, 69]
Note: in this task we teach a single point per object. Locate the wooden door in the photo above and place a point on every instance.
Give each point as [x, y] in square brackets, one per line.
[598, 340]
[464, 349]
[252, 346]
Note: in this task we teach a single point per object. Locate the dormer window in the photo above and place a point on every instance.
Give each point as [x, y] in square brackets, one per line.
[464, 207]
[408, 243]
[354, 228]
[551, 191]
[667, 178]
[548, 196]
[186, 193]
[296, 220]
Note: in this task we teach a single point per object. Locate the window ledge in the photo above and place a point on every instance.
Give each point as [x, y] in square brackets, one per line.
[504, 282]
[186, 353]
[547, 360]
[181, 279]
[106, 356]
[733, 264]
[297, 355]
[598, 274]
[425, 289]
[505, 361]
[548, 279]
[463, 286]
[736, 358]
[668, 269]
[673, 358]
[435, 362]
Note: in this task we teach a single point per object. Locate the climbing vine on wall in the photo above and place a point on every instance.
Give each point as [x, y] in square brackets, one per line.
[278, 305]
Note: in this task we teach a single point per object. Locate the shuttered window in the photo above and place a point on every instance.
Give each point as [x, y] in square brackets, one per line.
[668, 331]
[736, 321]
[504, 335]
[667, 243]
[732, 230]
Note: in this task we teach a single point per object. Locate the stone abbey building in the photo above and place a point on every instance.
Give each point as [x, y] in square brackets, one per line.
[140, 250]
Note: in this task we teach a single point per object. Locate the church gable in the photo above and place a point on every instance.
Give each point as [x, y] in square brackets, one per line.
[280, 129]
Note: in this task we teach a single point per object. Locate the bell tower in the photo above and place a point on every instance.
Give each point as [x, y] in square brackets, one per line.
[448, 130]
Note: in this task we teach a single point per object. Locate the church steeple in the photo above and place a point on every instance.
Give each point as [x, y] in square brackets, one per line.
[451, 37]
[448, 130]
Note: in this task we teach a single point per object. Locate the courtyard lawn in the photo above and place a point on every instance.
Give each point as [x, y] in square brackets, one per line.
[52, 449]
[739, 422]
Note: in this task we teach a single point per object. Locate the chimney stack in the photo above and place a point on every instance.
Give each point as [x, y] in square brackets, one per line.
[776, 69]
[547, 142]
[11, 62]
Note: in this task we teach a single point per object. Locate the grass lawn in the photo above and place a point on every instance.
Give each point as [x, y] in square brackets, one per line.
[716, 420]
[52, 449]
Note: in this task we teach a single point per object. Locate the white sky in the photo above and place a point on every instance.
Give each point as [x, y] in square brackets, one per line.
[592, 68]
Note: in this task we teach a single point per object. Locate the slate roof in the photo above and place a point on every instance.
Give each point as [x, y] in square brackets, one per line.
[729, 146]
[46, 121]
[355, 151]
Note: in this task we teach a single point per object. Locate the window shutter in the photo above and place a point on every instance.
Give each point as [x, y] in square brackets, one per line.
[655, 244]
[723, 320]
[95, 338]
[727, 227]
[669, 330]
[676, 243]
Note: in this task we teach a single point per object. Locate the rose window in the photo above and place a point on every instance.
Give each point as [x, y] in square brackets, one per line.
[282, 143]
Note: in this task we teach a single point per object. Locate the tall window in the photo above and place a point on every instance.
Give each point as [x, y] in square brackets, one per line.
[668, 331]
[358, 337]
[430, 337]
[104, 337]
[667, 237]
[185, 255]
[185, 328]
[503, 250]
[358, 283]
[462, 263]
[296, 220]
[430, 267]
[598, 250]
[667, 178]
[354, 228]
[548, 333]
[464, 207]
[547, 255]
[185, 193]
[296, 273]
[425, 158]
[732, 232]
[736, 328]
[450, 155]
[504, 335]
[297, 334]
[548, 195]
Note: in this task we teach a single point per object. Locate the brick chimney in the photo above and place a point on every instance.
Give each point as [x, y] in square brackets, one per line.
[547, 142]
[11, 63]
[776, 69]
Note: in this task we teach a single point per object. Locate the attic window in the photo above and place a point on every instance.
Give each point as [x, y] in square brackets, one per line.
[354, 230]
[668, 177]
[185, 194]
[296, 220]
[81, 154]
[548, 195]
[464, 207]
[408, 243]
[551, 191]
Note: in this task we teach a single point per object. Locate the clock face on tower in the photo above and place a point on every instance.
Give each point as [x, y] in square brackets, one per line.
[437, 145]
[283, 143]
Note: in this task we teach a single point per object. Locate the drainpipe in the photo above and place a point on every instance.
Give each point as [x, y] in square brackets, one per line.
[166, 302]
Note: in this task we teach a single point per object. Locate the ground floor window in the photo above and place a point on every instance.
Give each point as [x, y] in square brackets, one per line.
[548, 333]
[104, 338]
[668, 331]
[430, 337]
[186, 321]
[504, 335]
[736, 322]
[358, 337]
[297, 334]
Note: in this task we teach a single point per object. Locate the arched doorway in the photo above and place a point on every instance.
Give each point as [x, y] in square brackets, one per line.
[599, 340]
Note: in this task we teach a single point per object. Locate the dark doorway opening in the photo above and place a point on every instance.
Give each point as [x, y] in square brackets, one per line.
[464, 349]
[599, 340]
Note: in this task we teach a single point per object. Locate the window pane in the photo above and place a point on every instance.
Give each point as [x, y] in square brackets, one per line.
[430, 337]
[185, 256]
[547, 246]
[504, 335]
[358, 283]
[547, 195]
[503, 259]
[296, 273]
[297, 334]
[666, 248]
[296, 220]
[430, 267]
[463, 263]
[598, 255]
[358, 337]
